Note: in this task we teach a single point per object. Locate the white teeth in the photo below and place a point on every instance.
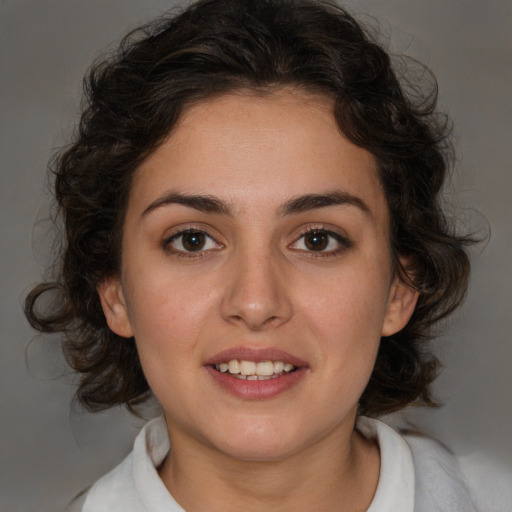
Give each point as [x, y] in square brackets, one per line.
[265, 368]
[234, 366]
[247, 367]
[255, 377]
[250, 370]
[278, 367]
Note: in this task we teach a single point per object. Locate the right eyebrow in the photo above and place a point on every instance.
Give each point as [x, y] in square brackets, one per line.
[309, 202]
[203, 203]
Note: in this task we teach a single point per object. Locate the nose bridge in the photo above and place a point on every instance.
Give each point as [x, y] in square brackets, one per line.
[255, 292]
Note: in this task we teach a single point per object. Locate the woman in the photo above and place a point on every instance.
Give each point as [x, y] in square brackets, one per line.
[253, 235]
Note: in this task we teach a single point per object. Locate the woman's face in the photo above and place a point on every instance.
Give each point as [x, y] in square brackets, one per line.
[257, 233]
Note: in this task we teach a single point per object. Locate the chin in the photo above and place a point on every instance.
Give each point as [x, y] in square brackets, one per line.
[261, 442]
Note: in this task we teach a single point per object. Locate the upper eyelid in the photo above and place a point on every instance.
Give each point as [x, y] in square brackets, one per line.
[185, 231]
[190, 228]
[330, 231]
[211, 233]
[344, 242]
[167, 244]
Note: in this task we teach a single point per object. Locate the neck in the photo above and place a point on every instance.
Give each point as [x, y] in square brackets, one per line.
[338, 473]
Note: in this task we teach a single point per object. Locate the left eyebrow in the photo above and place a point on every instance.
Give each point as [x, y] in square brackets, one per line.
[202, 203]
[308, 202]
[299, 204]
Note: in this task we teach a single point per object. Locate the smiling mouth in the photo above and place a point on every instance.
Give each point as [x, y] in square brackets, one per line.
[251, 370]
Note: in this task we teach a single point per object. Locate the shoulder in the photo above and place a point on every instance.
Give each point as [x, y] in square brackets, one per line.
[417, 466]
[134, 485]
[440, 484]
[108, 492]
[478, 480]
[78, 501]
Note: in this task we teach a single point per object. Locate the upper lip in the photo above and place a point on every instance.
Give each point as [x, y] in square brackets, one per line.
[255, 354]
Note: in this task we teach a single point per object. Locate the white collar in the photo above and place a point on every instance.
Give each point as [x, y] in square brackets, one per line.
[395, 490]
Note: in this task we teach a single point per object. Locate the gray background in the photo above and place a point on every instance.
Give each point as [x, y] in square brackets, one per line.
[48, 453]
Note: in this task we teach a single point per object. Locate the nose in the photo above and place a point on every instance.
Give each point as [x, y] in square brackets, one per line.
[256, 291]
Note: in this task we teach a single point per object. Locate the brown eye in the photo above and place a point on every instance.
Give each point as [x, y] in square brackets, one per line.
[322, 241]
[316, 240]
[193, 241]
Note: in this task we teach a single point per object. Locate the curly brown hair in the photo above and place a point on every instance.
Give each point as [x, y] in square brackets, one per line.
[134, 100]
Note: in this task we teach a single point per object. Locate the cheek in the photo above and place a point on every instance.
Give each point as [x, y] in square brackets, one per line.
[346, 316]
[349, 304]
[167, 318]
[158, 296]
[166, 315]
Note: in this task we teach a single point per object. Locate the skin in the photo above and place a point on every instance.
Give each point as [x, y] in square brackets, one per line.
[257, 284]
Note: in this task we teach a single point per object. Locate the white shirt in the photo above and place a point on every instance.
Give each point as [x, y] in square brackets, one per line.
[416, 475]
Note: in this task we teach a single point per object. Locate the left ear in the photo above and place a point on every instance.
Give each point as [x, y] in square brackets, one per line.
[114, 307]
[401, 303]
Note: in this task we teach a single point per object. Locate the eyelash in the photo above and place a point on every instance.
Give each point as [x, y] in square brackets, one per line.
[189, 254]
[343, 242]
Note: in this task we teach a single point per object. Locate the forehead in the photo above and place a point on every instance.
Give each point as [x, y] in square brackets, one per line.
[247, 148]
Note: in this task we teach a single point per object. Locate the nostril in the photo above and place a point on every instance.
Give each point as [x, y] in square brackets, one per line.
[256, 310]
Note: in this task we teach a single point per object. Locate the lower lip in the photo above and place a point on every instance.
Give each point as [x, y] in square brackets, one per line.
[256, 389]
